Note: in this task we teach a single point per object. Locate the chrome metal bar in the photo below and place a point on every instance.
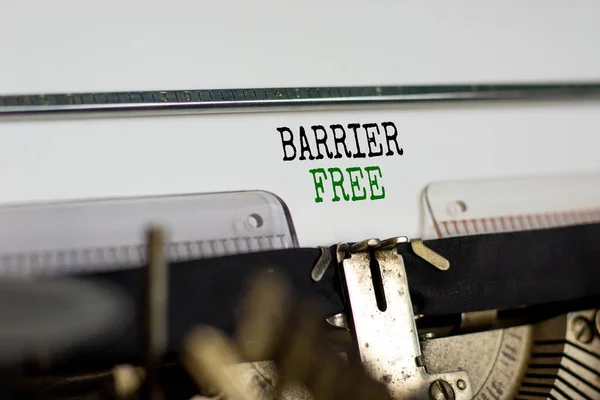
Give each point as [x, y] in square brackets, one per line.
[276, 99]
[386, 339]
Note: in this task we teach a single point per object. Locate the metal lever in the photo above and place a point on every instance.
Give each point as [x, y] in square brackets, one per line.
[387, 341]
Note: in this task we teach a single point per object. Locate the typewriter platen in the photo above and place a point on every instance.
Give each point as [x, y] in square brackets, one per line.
[211, 295]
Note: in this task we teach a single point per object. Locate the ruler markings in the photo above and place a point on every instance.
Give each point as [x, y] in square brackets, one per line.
[484, 223]
[117, 257]
[455, 226]
[463, 227]
[164, 101]
[480, 225]
[522, 222]
[446, 228]
[552, 220]
[512, 223]
[493, 225]
[474, 223]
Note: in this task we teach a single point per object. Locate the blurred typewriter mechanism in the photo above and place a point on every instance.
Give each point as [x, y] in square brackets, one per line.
[211, 296]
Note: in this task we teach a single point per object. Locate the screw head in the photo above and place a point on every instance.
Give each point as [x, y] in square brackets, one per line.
[441, 390]
[582, 329]
[462, 385]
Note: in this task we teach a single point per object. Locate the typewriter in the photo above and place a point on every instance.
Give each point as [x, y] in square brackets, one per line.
[211, 295]
[382, 201]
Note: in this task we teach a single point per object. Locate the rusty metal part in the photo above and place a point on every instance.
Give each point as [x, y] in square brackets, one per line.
[565, 361]
[387, 338]
[299, 347]
[393, 242]
[433, 258]
[209, 357]
[442, 390]
[582, 329]
[477, 321]
[365, 245]
[291, 336]
[322, 264]
[341, 250]
[495, 360]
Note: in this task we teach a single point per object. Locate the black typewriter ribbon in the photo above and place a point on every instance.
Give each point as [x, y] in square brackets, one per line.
[488, 271]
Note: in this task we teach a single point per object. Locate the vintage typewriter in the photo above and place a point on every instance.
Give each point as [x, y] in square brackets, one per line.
[211, 295]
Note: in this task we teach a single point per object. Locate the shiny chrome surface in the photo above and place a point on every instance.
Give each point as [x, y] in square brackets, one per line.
[275, 99]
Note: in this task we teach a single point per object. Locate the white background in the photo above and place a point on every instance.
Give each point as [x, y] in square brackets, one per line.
[70, 46]
[57, 46]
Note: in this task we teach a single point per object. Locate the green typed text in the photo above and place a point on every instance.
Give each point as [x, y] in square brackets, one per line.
[349, 184]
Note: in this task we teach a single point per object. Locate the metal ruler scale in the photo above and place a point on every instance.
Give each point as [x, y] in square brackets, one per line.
[258, 99]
